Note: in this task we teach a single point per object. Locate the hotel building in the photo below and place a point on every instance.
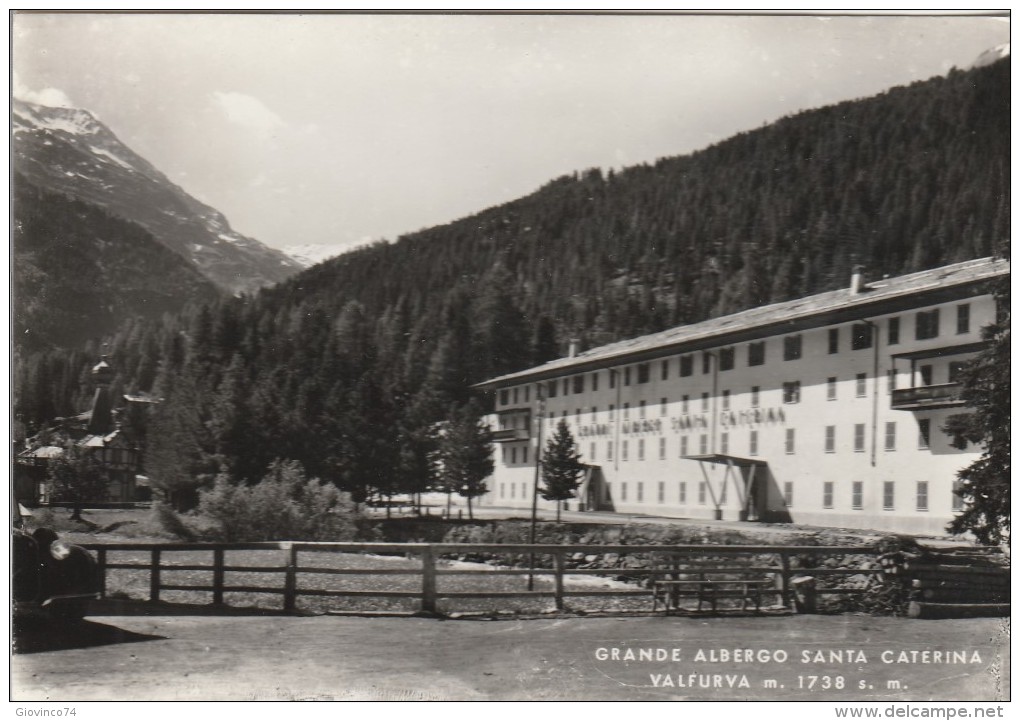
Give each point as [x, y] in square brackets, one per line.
[827, 410]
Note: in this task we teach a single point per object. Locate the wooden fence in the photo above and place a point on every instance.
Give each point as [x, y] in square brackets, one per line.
[547, 560]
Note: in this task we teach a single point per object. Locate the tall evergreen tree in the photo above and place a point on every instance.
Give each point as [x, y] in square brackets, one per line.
[561, 467]
[465, 454]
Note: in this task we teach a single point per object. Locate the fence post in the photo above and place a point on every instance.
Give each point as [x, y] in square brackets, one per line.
[558, 562]
[428, 581]
[154, 575]
[101, 563]
[785, 560]
[217, 577]
[290, 579]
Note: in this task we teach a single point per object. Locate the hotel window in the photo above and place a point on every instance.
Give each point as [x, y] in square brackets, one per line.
[704, 401]
[683, 491]
[662, 491]
[612, 411]
[626, 376]
[888, 495]
[683, 446]
[626, 411]
[564, 414]
[578, 384]
[577, 415]
[830, 439]
[726, 358]
[524, 454]
[792, 345]
[513, 455]
[862, 385]
[502, 490]
[726, 400]
[788, 493]
[513, 490]
[643, 373]
[701, 492]
[830, 388]
[724, 443]
[755, 392]
[827, 488]
[833, 341]
[686, 366]
[791, 440]
[684, 400]
[756, 353]
[641, 411]
[957, 498]
[922, 495]
[662, 406]
[923, 433]
[893, 331]
[552, 388]
[662, 449]
[612, 378]
[791, 392]
[861, 336]
[609, 450]
[566, 386]
[891, 380]
[857, 499]
[753, 446]
[623, 491]
[926, 372]
[527, 393]
[890, 435]
[665, 369]
[858, 438]
[624, 451]
[963, 318]
[640, 492]
[594, 382]
[591, 452]
[955, 369]
[515, 396]
[641, 449]
[703, 444]
[594, 414]
[504, 397]
[706, 363]
[504, 455]
[927, 324]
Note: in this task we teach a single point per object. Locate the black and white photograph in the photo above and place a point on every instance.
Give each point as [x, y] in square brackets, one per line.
[527, 356]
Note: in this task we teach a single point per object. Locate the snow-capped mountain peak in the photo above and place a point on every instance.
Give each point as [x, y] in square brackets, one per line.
[74, 121]
[991, 55]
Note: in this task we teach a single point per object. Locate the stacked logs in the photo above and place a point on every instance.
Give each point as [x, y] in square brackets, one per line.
[960, 584]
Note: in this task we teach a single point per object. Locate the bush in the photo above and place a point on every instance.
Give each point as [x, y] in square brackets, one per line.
[284, 506]
[167, 520]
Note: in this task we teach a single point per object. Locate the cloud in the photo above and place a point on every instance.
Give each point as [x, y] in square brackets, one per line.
[248, 112]
[50, 97]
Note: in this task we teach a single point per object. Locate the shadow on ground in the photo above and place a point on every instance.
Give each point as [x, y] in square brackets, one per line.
[129, 607]
[37, 635]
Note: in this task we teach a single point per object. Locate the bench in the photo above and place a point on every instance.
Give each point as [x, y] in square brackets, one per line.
[669, 592]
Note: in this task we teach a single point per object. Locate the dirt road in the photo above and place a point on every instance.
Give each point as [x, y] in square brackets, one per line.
[642, 658]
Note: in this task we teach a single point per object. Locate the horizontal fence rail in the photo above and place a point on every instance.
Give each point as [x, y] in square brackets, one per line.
[544, 561]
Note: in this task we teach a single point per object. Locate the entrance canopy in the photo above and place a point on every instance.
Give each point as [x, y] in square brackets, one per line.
[745, 491]
[726, 460]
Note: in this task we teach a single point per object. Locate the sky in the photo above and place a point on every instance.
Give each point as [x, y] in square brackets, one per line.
[339, 129]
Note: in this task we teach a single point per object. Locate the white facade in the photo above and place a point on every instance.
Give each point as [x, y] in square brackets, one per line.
[824, 411]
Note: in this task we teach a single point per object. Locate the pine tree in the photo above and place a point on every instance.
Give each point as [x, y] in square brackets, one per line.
[561, 467]
[77, 477]
[986, 384]
[465, 454]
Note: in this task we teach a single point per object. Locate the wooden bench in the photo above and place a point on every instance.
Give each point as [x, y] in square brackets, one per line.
[669, 592]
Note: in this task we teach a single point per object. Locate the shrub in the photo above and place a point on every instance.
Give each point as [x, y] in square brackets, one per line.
[167, 520]
[285, 505]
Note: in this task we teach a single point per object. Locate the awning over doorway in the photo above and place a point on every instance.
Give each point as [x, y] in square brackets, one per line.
[734, 465]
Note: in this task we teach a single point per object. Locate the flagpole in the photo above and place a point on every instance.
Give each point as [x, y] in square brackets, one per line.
[534, 490]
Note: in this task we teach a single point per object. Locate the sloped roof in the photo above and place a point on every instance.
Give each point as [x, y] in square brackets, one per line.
[884, 291]
[43, 452]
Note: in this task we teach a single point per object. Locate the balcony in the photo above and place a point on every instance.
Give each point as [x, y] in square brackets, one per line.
[505, 435]
[923, 398]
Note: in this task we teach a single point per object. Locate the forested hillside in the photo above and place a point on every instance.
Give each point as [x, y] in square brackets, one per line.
[347, 366]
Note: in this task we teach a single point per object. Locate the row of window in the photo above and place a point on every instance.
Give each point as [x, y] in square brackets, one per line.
[926, 327]
[790, 443]
[921, 494]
